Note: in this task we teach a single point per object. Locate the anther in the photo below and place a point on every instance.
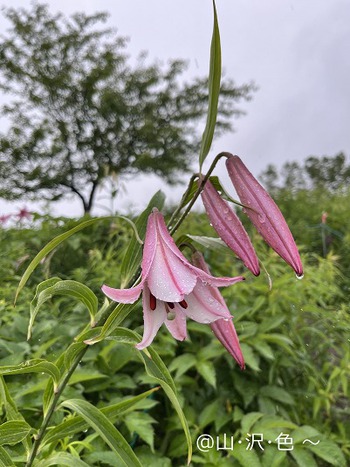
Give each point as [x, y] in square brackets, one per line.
[170, 305]
[183, 304]
[152, 302]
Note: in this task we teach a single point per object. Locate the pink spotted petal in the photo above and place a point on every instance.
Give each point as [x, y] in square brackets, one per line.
[153, 319]
[264, 213]
[177, 326]
[123, 295]
[229, 227]
[226, 333]
[202, 306]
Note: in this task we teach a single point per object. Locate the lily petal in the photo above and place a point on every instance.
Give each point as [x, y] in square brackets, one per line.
[123, 295]
[264, 213]
[177, 326]
[223, 329]
[226, 333]
[153, 319]
[229, 227]
[169, 279]
[171, 246]
[203, 307]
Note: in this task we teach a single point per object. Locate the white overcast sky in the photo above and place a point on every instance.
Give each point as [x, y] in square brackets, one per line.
[296, 51]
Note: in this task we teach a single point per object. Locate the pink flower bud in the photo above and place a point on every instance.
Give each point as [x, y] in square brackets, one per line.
[264, 213]
[229, 227]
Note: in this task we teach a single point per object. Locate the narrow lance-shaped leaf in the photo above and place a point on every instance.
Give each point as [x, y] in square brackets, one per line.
[5, 459]
[214, 90]
[33, 366]
[62, 458]
[156, 368]
[55, 286]
[77, 424]
[108, 432]
[51, 246]
[14, 432]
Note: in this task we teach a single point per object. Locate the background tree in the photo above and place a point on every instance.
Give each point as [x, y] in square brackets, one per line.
[79, 112]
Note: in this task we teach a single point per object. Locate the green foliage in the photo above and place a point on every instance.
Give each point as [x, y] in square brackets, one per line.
[294, 339]
[81, 114]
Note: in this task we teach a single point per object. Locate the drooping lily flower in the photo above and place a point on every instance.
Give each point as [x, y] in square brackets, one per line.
[223, 329]
[173, 288]
[229, 227]
[264, 213]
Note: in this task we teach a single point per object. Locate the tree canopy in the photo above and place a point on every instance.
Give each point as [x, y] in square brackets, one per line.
[79, 112]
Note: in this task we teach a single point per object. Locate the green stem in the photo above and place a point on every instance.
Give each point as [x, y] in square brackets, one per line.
[52, 407]
[59, 391]
[201, 184]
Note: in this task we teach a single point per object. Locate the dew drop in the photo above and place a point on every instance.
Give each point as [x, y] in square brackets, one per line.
[261, 218]
[299, 277]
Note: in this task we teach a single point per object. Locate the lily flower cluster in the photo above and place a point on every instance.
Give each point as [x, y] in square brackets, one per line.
[174, 289]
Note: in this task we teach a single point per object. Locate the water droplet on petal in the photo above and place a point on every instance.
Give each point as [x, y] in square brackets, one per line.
[299, 277]
[262, 218]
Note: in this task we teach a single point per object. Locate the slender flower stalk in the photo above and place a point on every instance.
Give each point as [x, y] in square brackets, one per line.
[173, 288]
[229, 227]
[223, 329]
[264, 213]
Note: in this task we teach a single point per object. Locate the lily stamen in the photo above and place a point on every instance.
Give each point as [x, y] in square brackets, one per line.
[152, 302]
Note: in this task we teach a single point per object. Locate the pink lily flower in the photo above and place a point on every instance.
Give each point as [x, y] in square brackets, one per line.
[4, 218]
[264, 213]
[229, 227]
[223, 329]
[173, 288]
[24, 214]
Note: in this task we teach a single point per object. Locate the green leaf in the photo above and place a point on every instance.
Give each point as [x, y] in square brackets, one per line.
[33, 366]
[328, 451]
[156, 368]
[277, 394]
[249, 420]
[51, 246]
[214, 91]
[117, 316]
[207, 371]
[303, 457]
[250, 358]
[182, 363]
[208, 414]
[55, 286]
[13, 432]
[108, 432]
[273, 458]
[5, 459]
[77, 424]
[245, 457]
[132, 259]
[141, 423]
[303, 432]
[271, 421]
[62, 458]
[212, 243]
